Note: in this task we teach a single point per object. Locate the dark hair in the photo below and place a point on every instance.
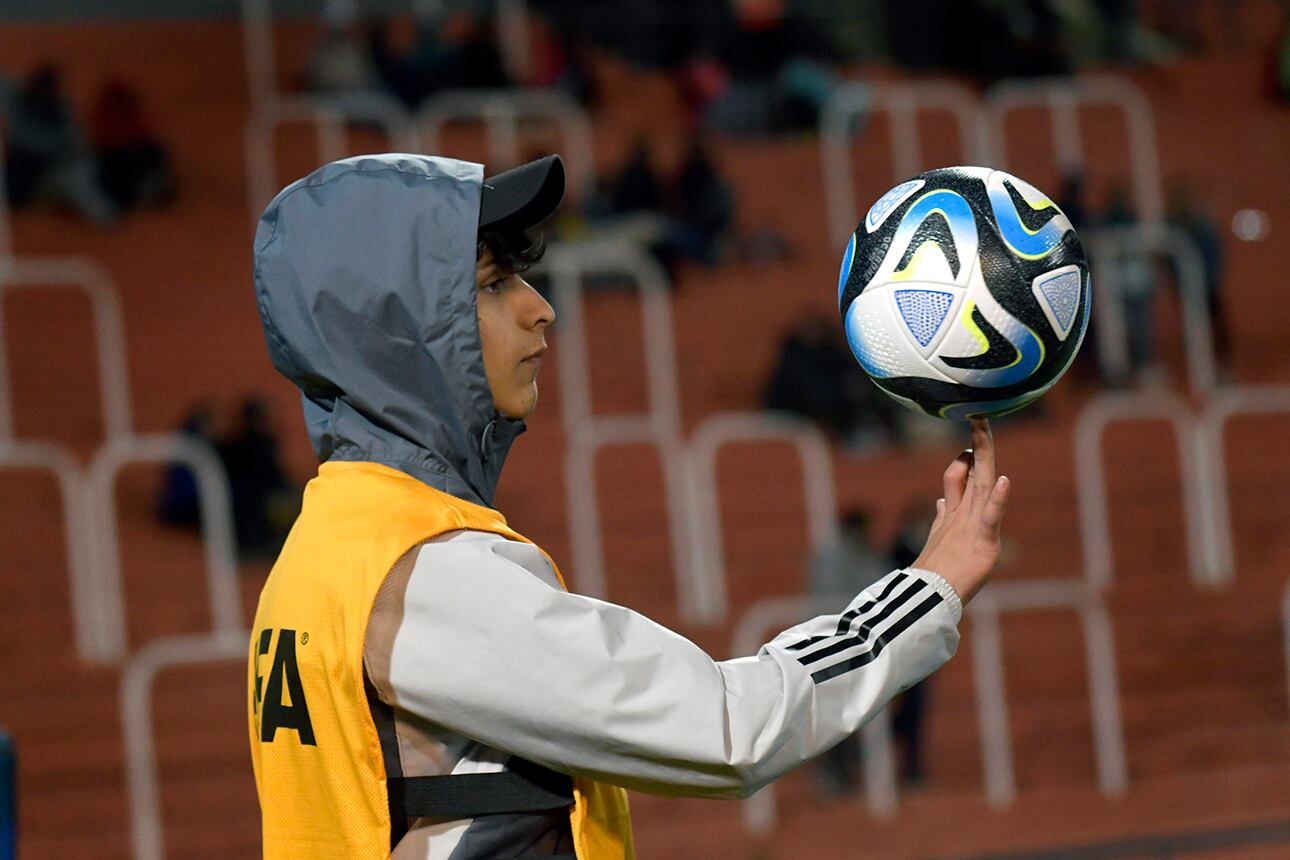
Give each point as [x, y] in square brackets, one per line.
[514, 251]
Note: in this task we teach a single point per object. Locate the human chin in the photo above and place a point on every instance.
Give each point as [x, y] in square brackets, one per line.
[520, 401]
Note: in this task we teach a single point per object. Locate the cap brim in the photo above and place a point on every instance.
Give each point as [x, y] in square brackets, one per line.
[523, 197]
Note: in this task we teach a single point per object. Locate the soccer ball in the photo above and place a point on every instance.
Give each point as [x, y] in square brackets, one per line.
[964, 292]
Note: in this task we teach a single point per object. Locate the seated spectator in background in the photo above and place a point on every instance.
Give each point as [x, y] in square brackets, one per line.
[689, 219]
[908, 710]
[342, 68]
[703, 210]
[845, 565]
[133, 166]
[816, 376]
[1135, 277]
[47, 158]
[765, 70]
[1192, 219]
[636, 187]
[456, 51]
[476, 57]
[179, 504]
[562, 61]
[265, 502]
[1281, 66]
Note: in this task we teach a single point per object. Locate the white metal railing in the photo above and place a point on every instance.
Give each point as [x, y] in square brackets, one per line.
[987, 661]
[778, 613]
[902, 103]
[1090, 483]
[502, 112]
[1109, 246]
[707, 549]
[93, 640]
[328, 117]
[1228, 402]
[588, 433]
[216, 525]
[146, 831]
[258, 52]
[1063, 97]
[109, 333]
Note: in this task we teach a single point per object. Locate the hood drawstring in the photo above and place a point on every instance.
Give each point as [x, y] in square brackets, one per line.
[486, 441]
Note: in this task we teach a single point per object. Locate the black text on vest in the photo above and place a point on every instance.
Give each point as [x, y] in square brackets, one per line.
[273, 712]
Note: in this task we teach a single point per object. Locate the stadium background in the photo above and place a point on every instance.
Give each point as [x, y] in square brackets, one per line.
[1201, 672]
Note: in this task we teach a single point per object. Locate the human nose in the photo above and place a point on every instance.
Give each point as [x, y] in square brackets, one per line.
[538, 312]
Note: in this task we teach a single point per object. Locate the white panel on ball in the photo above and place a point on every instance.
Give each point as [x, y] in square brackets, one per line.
[882, 343]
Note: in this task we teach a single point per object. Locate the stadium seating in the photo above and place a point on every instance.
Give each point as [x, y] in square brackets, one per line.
[1201, 679]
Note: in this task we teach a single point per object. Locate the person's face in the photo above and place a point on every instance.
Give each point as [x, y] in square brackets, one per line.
[512, 330]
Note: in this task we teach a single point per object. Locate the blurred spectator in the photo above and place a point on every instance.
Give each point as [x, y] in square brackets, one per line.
[908, 710]
[703, 208]
[342, 68]
[1074, 203]
[562, 62]
[476, 57]
[816, 376]
[458, 51]
[265, 502]
[1282, 64]
[47, 158]
[179, 504]
[1136, 278]
[687, 219]
[133, 166]
[838, 571]
[636, 186]
[1190, 217]
[1118, 20]
[761, 69]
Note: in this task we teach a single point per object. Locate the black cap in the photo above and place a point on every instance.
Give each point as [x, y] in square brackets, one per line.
[522, 197]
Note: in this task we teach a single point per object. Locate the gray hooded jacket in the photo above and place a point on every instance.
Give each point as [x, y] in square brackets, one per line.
[365, 283]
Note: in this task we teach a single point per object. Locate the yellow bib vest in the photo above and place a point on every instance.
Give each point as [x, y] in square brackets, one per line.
[318, 762]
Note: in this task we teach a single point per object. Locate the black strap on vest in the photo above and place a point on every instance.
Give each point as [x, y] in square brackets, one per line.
[523, 787]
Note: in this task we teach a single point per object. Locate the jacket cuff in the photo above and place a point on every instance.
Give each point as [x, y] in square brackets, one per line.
[944, 589]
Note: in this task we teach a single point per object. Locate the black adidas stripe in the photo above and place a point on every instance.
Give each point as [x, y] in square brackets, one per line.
[844, 623]
[879, 642]
[862, 632]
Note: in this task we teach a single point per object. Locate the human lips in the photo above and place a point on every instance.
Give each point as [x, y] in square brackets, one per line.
[534, 357]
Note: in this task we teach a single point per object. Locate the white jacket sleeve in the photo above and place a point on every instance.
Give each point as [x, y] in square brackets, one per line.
[491, 647]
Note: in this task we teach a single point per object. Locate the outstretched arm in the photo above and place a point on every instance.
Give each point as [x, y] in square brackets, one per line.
[489, 646]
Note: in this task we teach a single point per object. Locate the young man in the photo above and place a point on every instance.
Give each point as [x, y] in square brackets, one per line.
[421, 684]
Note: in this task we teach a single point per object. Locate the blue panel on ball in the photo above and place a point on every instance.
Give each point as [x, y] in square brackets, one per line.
[847, 259]
[923, 312]
[1022, 241]
[957, 213]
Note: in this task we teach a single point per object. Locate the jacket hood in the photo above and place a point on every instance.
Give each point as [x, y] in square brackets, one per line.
[365, 284]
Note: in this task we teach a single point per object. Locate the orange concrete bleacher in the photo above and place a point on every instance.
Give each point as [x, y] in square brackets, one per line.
[1202, 683]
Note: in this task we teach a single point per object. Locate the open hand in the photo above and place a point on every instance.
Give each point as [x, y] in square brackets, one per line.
[963, 546]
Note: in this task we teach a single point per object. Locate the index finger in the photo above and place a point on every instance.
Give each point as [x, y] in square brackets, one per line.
[983, 459]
